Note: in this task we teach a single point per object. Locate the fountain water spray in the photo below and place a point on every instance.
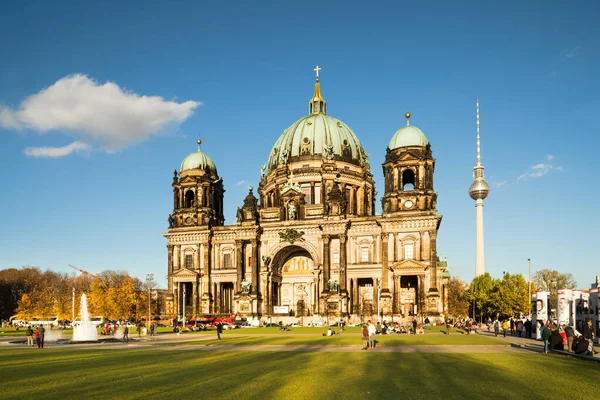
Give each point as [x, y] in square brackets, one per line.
[85, 330]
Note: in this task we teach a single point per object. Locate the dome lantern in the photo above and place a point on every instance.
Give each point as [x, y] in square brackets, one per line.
[317, 103]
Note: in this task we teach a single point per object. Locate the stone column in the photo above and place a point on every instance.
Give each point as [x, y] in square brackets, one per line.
[343, 272]
[384, 262]
[316, 292]
[199, 196]
[239, 259]
[170, 267]
[396, 297]
[255, 266]
[401, 244]
[433, 268]
[375, 298]
[426, 246]
[355, 305]
[326, 261]
[421, 294]
[175, 257]
[197, 257]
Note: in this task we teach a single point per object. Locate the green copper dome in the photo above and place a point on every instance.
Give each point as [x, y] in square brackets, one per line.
[198, 160]
[408, 136]
[317, 134]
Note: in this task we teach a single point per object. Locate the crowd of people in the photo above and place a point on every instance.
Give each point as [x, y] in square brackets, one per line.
[567, 338]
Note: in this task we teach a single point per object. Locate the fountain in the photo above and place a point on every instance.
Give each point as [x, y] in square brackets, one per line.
[85, 331]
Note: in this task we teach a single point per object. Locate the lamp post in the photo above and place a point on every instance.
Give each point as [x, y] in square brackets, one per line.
[529, 283]
[149, 279]
[73, 308]
[554, 289]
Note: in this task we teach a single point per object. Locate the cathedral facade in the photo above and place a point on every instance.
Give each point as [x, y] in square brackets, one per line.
[309, 243]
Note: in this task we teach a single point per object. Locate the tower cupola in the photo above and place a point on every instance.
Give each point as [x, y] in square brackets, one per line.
[197, 192]
[408, 172]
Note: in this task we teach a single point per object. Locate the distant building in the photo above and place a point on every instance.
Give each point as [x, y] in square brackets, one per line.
[310, 242]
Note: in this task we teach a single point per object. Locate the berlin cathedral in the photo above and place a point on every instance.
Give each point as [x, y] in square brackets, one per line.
[309, 242]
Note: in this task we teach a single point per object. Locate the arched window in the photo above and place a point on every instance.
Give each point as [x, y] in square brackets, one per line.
[408, 179]
[189, 199]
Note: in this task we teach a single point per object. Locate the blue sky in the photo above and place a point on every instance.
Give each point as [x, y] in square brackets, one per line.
[91, 186]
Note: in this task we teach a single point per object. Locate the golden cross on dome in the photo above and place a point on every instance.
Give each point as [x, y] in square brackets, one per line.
[317, 71]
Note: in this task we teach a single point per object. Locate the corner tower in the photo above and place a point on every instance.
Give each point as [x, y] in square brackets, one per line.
[197, 193]
[478, 191]
[408, 173]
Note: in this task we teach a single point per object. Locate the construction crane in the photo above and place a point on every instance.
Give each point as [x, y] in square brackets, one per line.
[83, 271]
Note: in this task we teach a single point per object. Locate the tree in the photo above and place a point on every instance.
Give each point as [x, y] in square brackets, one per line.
[458, 304]
[549, 279]
[512, 295]
[552, 280]
[116, 295]
[481, 296]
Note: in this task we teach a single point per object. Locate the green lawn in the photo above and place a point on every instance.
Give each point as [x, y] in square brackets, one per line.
[159, 373]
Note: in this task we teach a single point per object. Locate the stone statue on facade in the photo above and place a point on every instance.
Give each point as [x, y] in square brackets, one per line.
[240, 215]
[171, 221]
[283, 158]
[292, 211]
[263, 168]
[266, 260]
[333, 285]
[246, 286]
[328, 153]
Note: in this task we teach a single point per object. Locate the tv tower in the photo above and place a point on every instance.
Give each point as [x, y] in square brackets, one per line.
[478, 191]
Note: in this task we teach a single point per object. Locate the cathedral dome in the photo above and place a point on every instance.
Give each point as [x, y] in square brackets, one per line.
[408, 136]
[317, 134]
[198, 160]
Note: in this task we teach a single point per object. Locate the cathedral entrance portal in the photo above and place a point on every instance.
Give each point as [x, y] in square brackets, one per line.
[409, 295]
[295, 284]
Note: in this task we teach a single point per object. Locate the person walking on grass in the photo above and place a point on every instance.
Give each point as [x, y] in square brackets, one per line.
[371, 330]
[125, 333]
[365, 337]
[29, 334]
[219, 330]
[496, 327]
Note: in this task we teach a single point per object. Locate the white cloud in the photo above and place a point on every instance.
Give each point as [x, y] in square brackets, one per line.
[104, 115]
[501, 185]
[240, 183]
[539, 170]
[55, 152]
[549, 157]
